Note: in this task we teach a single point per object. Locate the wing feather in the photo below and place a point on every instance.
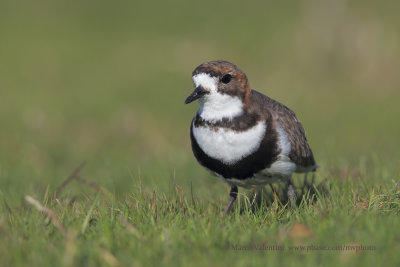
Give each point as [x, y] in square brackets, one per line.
[300, 153]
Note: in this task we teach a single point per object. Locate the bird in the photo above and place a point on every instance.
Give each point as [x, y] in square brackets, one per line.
[242, 135]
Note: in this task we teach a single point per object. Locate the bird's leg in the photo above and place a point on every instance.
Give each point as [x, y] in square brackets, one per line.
[232, 198]
[291, 193]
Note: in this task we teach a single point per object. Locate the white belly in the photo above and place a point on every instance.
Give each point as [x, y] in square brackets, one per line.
[229, 146]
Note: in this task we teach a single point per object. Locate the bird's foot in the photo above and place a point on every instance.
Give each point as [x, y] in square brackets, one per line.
[291, 194]
[232, 198]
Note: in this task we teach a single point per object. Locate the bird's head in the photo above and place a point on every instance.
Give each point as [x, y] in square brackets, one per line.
[220, 87]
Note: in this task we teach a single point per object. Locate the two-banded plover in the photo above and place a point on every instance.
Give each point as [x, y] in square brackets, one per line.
[243, 136]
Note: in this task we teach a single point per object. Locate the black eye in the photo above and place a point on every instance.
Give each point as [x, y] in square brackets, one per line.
[226, 78]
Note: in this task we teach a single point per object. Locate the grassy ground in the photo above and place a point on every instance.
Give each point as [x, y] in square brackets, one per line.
[105, 84]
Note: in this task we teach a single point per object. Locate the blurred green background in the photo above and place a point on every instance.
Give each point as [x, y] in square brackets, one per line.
[105, 81]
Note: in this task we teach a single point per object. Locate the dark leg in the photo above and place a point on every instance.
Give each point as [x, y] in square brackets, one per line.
[291, 193]
[232, 198]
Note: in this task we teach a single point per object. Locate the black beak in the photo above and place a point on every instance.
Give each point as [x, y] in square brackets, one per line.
[197, 93]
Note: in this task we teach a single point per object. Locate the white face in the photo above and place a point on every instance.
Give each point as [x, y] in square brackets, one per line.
[215, 106]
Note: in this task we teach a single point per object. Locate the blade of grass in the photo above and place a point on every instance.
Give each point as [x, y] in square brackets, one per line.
[87, 218]
[48, 212]
[72, 176]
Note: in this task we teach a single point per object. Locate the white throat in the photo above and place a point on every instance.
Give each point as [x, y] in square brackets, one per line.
[215, 106]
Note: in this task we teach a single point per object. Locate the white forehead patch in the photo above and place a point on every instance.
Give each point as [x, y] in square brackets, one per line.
[206, 81]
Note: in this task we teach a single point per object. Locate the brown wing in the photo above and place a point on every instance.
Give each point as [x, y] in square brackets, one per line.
[300, 153]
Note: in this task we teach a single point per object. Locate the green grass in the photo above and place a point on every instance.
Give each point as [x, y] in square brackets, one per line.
[152, 226]
[105, 83]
